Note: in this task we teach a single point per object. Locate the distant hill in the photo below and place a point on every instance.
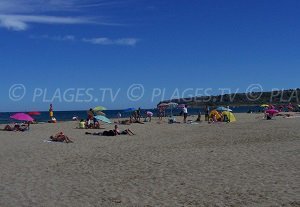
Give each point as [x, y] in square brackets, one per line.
[243, 99]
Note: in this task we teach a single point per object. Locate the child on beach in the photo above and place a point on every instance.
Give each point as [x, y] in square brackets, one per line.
[82, 124]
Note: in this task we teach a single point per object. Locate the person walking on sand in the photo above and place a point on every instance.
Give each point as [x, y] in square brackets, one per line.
[185, 113]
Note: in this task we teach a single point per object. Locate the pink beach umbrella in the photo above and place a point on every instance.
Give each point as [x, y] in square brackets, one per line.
[21, 117]
[272, 112]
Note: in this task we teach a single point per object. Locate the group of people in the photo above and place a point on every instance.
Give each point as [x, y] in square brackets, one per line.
[162, 113]
[91, 122]
[87, 124]
[136, 116]
[213, 118]
[18, 127]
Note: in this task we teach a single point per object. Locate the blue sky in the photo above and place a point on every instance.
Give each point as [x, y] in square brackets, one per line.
[81, 44]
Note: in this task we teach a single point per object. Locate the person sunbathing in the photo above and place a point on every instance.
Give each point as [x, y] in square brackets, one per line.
[24, 127]
[128, 122]
[9, 128]
[61, 137]
[113, 132]
[137, 122]
[124, 132]
[16, 127]
[125, 122]
[127, 132]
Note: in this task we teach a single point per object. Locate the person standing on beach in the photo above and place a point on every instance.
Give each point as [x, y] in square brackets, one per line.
[139, 115]
[199, 117]
[160, 113]
[207, 113]
[51, 111]
[92, 116]
[185, 113]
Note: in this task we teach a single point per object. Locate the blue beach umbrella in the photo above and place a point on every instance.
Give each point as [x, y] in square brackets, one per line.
[129, 110]
[103, 119]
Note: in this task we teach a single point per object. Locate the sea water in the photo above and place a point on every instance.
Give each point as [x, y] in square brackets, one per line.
[68, 115]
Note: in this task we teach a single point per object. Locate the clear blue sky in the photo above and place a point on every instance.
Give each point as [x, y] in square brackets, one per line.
[160, 44]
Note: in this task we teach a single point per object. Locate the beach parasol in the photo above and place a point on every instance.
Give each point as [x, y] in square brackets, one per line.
[99, 108]
[22, 117]
[221, 108]
[129, 110]
[92, 113]
[34, 113]
[100, 113]
[103, 119]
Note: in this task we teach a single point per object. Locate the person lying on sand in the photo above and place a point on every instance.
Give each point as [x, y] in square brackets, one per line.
[114, 132]
[17, 127]
[60, 137]
[9, 128]
[138, 122]
[124, 132]
[125, 122]
[129, 122]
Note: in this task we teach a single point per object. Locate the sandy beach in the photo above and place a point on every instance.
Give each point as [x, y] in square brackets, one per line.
[251, 162]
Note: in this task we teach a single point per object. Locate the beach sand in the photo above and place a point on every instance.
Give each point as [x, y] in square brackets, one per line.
[251, 162]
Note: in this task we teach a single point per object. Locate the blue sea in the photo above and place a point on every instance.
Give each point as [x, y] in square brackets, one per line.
[68, 115]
